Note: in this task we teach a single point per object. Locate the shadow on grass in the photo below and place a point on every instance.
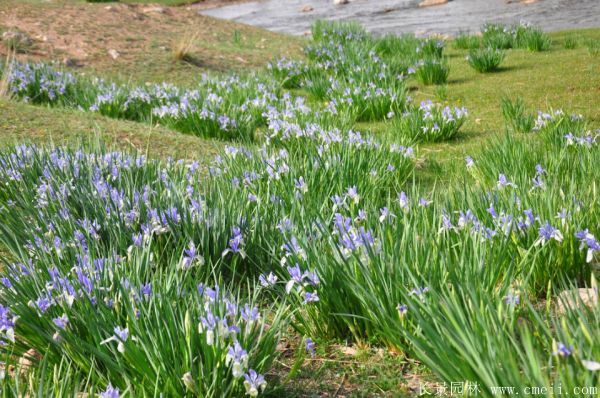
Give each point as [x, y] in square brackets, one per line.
[205, 63]
[458, 80]
[504, 69]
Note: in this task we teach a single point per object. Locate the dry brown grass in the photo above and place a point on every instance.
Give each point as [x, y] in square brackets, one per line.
[85, 32]
[6, 72]
[183, 46]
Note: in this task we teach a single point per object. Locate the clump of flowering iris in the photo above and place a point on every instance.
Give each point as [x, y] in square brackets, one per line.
[587, 140]
[367, 101]
[430, 122]
[40, 84]
[288, 73]
[228, 108]
[556, 126]
[105, 303]
[7, 325]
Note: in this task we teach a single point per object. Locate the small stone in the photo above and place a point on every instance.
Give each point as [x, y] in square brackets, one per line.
[573, 299]
[350, 351]
[429, 3]
[155, 10]
[338, 2]
[307, 8]
[114, 54]
[25, 362]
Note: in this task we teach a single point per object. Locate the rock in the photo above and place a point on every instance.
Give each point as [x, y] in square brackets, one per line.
[337, 2]
[114, 54]
[306, 8]
[350, 351]
[573, 299]
[17, 41]
[154, 9]
[25, 362]
[429, 3]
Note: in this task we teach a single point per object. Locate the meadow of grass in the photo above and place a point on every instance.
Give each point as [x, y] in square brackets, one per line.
[346, 208]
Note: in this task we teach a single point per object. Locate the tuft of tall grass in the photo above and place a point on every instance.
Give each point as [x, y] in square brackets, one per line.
[432, 71]
[466, 41]
[182, 48]
[535, 40]
[497, 36]
[571, 42]
[338, 30]
[516, 116]
[485, 60]
[5, 75]
[593, 47]
[431, 47]
[404, 45]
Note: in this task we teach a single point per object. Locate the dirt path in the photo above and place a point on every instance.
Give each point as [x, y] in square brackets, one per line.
[382, 16]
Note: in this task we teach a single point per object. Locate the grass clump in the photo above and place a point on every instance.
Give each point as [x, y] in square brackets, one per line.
[288, 73]
[557, 127]
[516, 116]
[429, 122]
[182, 48]
[497, 36]
[535, 40]
[593, 47]
[522, 35]
[431, 48]
[431, 71]
[485, 60]
[466, 41]
[571, 42]
[338, 30]
[390, 45]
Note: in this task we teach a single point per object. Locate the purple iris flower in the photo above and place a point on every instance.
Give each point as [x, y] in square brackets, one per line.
[563, 351]
[310, 297]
